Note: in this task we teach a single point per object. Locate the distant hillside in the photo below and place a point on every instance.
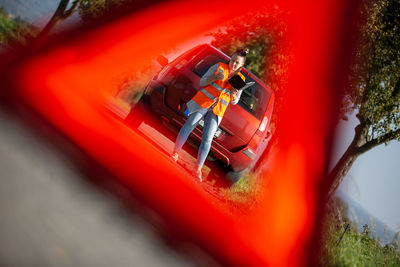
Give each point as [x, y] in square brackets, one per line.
[360, 216]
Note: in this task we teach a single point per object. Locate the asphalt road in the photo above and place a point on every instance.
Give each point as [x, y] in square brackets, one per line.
[53, 215]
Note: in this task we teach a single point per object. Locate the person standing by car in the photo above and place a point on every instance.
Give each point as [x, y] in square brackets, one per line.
[210, 103]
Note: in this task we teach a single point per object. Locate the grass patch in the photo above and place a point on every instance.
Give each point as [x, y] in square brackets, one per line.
[355, 248]
[245, 193]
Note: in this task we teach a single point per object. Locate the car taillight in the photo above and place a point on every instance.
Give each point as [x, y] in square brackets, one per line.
[263, 124]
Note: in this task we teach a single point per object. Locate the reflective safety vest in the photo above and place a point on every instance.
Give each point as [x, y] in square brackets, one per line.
[218, 92]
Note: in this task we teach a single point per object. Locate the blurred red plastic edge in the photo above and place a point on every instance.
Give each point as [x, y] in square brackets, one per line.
[68, 85]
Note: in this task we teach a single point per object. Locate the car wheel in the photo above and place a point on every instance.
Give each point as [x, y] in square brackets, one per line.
[235, 176]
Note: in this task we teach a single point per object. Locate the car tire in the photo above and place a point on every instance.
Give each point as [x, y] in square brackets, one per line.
[234, 176]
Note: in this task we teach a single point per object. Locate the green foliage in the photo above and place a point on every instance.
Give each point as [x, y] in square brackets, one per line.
[92, 9]
[373, 84]
[263, 32]
[374, 81]
[354, 249]
[14, 31]
[244, 195]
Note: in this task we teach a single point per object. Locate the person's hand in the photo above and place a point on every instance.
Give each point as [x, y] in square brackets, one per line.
[234, 94]
[219, 76]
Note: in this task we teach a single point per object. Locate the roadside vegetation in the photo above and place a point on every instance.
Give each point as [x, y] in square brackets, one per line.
[343, 245]
[14, 31]
[244, 195]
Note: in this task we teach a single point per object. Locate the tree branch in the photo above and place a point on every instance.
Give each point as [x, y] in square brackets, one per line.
[60, 15]
[55, 19]
[72, 9]
[377, 141]
[60, 9]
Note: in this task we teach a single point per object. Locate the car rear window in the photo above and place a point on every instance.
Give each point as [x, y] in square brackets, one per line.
[254, 99]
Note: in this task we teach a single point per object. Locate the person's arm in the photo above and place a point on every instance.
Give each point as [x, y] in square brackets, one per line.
[236, 96]
[209, 77]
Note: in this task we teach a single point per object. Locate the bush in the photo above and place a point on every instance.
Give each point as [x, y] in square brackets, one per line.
[14, 31]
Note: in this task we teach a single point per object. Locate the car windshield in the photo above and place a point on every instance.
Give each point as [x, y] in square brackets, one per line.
[253, 99]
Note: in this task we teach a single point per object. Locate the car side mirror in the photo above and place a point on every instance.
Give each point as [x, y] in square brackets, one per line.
[163, 61]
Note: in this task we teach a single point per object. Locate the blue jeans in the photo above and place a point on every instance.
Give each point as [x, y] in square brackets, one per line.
[210, 127]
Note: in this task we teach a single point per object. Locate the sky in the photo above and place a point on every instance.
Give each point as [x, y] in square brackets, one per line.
[374, 179]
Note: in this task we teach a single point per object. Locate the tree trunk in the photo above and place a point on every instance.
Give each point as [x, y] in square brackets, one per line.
[60, 15]
[341, 168]
[55, 19]
[344, 164]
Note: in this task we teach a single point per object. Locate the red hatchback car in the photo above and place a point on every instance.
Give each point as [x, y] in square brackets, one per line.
[243, 133]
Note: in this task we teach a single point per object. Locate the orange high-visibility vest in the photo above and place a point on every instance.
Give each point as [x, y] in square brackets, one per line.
[219, 91]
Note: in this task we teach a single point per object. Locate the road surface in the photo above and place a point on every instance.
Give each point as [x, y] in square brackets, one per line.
[53, 215]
